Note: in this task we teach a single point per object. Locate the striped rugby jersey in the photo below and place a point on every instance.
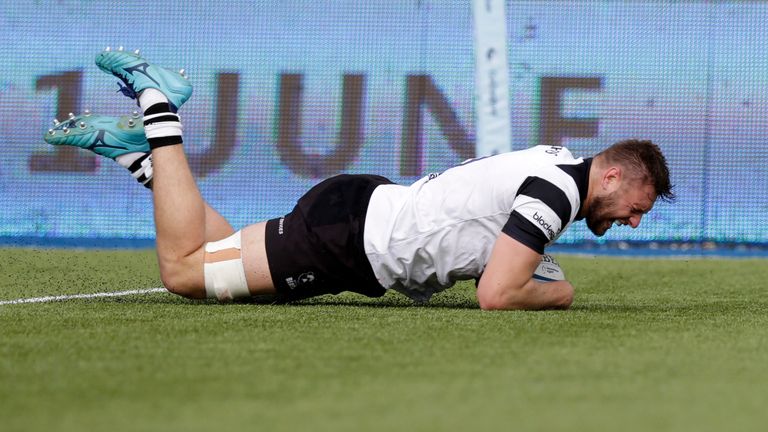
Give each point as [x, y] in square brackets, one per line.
[422, 238]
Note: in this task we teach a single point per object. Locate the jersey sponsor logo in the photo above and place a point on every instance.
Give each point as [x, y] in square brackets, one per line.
[544, 224]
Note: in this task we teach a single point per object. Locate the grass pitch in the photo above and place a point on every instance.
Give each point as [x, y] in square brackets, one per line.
[661, 345]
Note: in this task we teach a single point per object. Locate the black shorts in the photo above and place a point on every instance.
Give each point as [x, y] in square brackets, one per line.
[318, 248]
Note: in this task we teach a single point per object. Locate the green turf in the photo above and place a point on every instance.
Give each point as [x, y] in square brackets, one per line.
[649, 345]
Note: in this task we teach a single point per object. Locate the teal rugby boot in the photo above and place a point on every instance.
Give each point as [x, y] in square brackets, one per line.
[106, 136]
[137, 74]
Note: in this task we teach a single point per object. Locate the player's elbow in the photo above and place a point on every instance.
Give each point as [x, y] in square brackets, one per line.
[500, 300]
[530, 296]
[565, 301]
[486, 302]
[560, 295]
[498, 304]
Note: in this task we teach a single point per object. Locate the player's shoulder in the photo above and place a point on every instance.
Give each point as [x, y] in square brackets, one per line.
[527, 162]
[553, 158]
[560, 170]
[558, 154]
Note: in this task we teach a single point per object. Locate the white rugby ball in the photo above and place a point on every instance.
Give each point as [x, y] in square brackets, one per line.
[548, 270]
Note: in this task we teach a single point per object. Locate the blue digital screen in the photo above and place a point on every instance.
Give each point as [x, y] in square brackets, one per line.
[288, 93]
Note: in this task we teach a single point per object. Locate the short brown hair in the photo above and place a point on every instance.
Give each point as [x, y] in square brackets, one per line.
[644, 158]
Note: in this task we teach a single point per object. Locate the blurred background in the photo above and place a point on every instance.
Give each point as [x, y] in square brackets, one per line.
[288, 93]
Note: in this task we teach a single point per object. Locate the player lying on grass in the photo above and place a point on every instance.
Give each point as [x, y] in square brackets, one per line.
[487, 219]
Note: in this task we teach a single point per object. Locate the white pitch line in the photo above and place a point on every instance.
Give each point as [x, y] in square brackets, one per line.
[80, 296]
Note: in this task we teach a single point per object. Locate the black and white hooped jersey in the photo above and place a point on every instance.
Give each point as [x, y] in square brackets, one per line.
[422, 238]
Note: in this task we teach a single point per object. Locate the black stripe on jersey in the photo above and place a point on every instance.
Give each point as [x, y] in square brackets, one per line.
[580, 175]
[524, 231]
[551, 195]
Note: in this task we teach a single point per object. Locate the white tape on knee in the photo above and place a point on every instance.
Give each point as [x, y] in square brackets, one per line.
[223, 268]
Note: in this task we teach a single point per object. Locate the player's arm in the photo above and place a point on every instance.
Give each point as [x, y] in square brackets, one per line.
[544, 204]
[507, 280]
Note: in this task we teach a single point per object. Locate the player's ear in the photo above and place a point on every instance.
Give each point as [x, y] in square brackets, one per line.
[611, 179]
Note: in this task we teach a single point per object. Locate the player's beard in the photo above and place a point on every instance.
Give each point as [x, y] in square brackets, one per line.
[598, 220]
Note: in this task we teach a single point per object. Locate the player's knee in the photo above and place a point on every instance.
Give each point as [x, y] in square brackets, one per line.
[223, 269]
[216, 272]
[173, 284]
[178, 278]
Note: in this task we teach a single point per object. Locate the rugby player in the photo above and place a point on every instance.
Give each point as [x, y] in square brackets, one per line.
[488, 219]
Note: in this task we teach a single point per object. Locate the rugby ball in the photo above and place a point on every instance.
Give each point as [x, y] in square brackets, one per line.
[548, 270]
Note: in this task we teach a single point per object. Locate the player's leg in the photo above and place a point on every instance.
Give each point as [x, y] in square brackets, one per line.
[216, 226]
[123, 140]
[255, 260]
[179, 222]
[190, 264]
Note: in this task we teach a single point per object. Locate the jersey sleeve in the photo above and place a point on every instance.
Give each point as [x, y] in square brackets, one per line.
[540, 211]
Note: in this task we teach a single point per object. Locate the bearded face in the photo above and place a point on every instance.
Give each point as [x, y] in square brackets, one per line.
[598, 217]
[624, 206]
